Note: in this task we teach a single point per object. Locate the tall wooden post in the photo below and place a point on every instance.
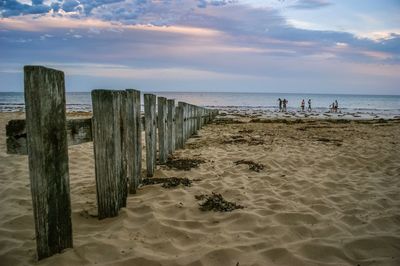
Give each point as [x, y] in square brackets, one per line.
[179, 126]
[189, 114]
[189, 106]
[108, 137]
[191, 120]
[198, 118]
[150, 131]
[123, 183]
[171, 126]
[48, 158]
[133, 139]
[187, 119]
[201, 117]
[162, 130]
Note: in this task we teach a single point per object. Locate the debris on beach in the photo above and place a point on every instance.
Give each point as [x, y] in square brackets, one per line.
[215, 202]
[167, 182]
[235, 139]
[256, 141]
[194, 145]
[256, 167]
[239, 139]
[226, 120]
[184, 163]
[277, 120]
[337, 142]
[246, 131]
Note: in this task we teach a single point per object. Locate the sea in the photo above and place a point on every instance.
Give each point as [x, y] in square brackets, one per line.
[386, 105]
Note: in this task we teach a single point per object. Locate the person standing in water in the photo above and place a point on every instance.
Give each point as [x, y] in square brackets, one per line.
[284, 104]
[309, 105]
[302, 105]
[280, 104]
[336, 106]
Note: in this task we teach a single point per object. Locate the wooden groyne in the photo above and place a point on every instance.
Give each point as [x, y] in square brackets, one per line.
[116, 131]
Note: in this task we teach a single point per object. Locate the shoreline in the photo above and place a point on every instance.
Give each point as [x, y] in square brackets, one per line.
[230, 114]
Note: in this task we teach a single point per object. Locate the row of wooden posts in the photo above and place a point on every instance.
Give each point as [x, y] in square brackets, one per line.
[116, 131]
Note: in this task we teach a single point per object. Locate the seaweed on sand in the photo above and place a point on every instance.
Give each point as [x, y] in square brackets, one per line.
[184, 163]
[337, 142]
[256, 167]
[246, 131]
[169, 182]
[235, 139]
[256, 141]
[238, 139]
[215, 202]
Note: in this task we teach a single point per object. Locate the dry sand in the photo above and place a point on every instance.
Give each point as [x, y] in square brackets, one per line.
[329, 195]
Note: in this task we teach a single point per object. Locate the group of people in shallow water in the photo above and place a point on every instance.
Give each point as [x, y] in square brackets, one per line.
[283, 105]
[303, 105]
[334, 106]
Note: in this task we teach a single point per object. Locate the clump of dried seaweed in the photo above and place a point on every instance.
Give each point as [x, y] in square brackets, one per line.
[337, 142]
[241, 139]
[184, 163]
[168, 182]
[234, 140]
[256, 167]
[256, 141]
[246, 131]
[215, 202]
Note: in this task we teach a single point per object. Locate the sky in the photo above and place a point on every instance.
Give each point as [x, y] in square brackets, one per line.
[292, 46]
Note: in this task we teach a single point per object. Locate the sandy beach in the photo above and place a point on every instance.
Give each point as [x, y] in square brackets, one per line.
[328, 193]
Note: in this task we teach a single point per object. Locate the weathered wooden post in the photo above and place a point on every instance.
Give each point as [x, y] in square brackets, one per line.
[182, 104]
[201, 117]
[150, 131]
[179, 126]
[108, 136]
[171, 126]
[198, 116]
[48, 159]
[187, 116]
[187, 120]
[196, 121]
[123, 183]
[133, 139]
[162, 130]
[192, 119]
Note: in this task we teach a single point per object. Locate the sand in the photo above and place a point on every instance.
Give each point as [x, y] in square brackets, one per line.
[329, 194]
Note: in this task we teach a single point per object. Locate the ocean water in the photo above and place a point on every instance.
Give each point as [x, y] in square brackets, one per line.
[369, 104]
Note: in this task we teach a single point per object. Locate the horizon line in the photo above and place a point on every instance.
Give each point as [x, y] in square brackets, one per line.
[236, 92]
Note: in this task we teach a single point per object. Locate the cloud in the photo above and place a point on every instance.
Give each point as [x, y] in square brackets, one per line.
[205, 3]
[11, 8]
[243, 28]
[310, 4]
[70, 6]
[222, 40]
[15, 8]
